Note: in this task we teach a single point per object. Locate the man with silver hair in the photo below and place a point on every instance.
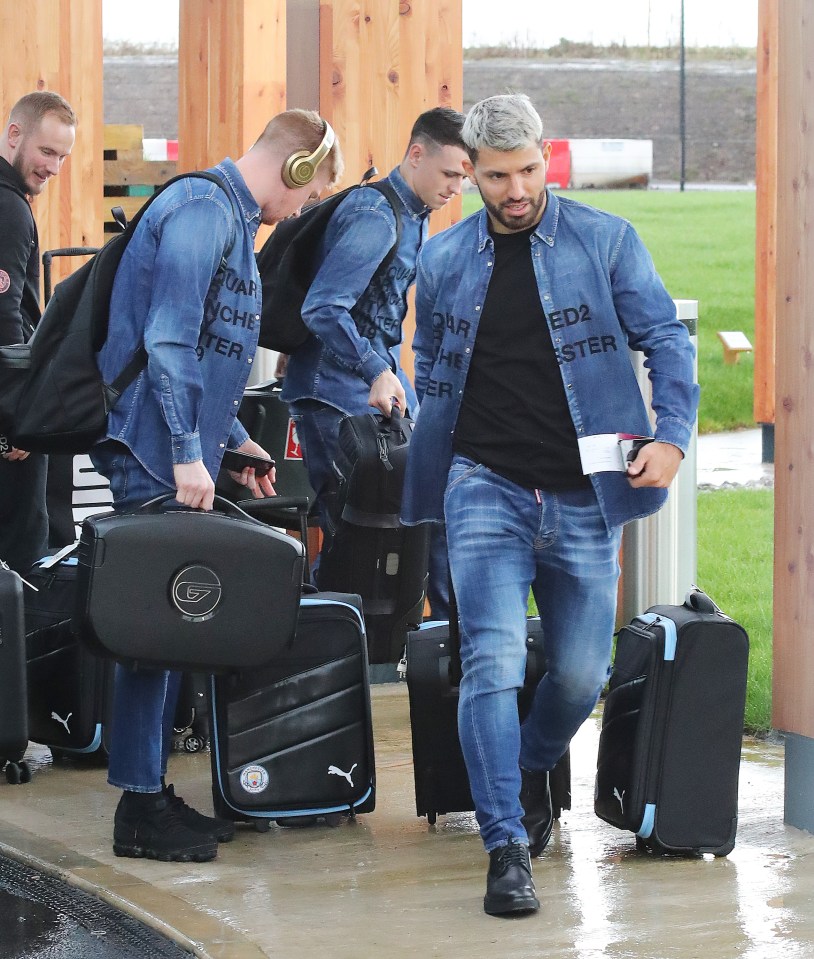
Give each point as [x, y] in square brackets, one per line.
[526, 312]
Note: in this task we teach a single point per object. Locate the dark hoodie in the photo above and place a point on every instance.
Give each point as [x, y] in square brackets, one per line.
[19, 259]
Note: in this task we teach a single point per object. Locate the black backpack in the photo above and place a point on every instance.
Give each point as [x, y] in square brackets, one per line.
[52, 396]
[286, 265]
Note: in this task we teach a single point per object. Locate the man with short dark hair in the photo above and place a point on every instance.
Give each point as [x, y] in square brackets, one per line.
[37, 140]
[187, 288]
[352, 361]
[525, 315]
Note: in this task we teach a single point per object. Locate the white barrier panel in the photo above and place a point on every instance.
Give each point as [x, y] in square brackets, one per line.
[610, 163]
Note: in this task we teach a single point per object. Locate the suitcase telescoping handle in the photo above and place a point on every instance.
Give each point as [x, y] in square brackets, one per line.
[698, 600]
[279, 511]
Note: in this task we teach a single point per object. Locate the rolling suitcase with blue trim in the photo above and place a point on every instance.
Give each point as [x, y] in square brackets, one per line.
[13, 699]
[670, 746]
[292, 741]
[69, 688]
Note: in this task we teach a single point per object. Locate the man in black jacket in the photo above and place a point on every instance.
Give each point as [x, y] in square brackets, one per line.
[37, 139]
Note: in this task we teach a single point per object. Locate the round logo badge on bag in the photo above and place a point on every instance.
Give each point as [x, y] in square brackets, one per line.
[254, 779]
[196, 592]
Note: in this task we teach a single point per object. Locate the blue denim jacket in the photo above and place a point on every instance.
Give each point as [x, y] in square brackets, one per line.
[601, 294]
[356, 323]
[199, 324]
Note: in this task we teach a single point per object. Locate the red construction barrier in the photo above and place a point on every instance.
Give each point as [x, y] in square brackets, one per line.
[559, 165]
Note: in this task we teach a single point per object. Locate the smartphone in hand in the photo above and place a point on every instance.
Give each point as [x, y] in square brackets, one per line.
[236, 461]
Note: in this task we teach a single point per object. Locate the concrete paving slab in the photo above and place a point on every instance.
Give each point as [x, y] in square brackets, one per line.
[733, 459]
[391, 885]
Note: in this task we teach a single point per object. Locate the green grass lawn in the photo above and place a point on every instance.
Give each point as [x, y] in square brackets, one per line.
[703, 245]
[735, 567]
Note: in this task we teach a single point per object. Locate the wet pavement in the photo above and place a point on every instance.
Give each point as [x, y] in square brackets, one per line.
[389, 883]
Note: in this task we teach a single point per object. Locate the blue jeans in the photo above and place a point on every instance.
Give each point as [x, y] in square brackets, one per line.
[504, 540]
[143, 699]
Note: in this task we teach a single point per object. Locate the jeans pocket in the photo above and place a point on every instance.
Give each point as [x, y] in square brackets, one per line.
[460, 470]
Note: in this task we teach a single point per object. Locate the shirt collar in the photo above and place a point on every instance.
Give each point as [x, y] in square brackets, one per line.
[248, 205]
[546, 228]
[415, 207]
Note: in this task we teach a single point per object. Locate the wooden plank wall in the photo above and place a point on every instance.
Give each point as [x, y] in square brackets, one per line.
[57, 45]
[382, 63]
[793, 677]
[231, 77]
[766, 212]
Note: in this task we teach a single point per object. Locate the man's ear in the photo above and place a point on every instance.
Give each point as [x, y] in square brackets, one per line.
[415, 152]
[470, 171]
[13, 134]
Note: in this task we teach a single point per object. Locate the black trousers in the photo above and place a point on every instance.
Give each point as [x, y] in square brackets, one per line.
[23, 515]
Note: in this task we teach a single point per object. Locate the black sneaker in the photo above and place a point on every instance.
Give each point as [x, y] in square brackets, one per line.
[149, 826]
[221, 829]
[509, 886]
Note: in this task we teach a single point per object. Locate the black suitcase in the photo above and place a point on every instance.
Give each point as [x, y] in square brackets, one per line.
[13, 698]
[669, 751]
[69, 689]
[293, 741]
[187, 589]
[433, 673]
[370, 552]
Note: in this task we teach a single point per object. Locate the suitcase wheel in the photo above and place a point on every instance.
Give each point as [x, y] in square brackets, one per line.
[262, 825]
[194, 744]
[17, 773]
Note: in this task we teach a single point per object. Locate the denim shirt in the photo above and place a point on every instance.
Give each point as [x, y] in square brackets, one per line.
[198, 322]
[601, 295]
[356, 323]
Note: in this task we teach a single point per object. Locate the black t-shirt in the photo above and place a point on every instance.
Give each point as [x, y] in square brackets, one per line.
[514, 416]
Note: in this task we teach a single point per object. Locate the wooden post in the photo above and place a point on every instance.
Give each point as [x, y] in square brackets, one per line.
[57, 45]
[231, 77]
[382, 63]
[793, 682]
[766, 212]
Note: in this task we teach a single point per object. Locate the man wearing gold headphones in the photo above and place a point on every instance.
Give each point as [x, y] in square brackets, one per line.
[187, 288]
[355, 310]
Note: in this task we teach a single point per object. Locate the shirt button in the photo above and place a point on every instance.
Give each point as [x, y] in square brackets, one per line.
[257, 316]
[546, 297]
[467, 350]
[234, 403]
[477, 308]
[250, 359]
[489, 263]
[221, 445]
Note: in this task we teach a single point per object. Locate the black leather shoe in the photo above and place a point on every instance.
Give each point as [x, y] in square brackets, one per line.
[535, 798]
[509, 886]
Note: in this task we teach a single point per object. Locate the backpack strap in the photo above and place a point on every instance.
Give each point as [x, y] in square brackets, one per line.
[393, 198]
[138, 361]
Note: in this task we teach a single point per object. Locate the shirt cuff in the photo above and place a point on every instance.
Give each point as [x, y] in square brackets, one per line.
[186, 448]
[674, 431]
[372, 366]
[238, 436]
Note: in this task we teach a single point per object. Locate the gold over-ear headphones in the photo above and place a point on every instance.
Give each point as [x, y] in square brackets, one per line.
[301, 167]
